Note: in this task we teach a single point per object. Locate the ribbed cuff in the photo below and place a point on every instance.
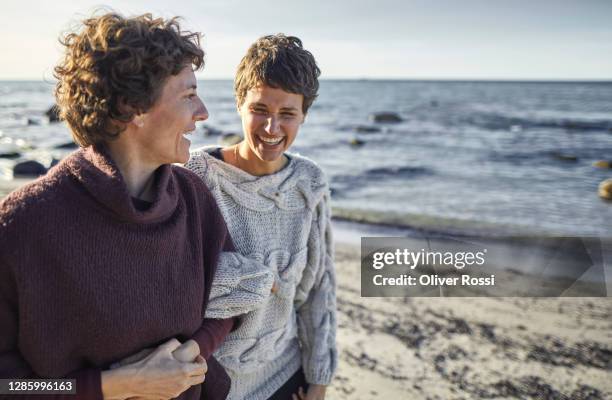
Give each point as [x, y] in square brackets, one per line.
[318, 377]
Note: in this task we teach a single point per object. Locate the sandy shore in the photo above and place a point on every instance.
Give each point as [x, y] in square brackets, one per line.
[469, 348]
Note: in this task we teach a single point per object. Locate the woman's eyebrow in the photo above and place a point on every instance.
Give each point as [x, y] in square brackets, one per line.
[192, 86]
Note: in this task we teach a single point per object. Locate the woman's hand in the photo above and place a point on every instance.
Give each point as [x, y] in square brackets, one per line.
[315, 392]
[159, 375]
[187, 352]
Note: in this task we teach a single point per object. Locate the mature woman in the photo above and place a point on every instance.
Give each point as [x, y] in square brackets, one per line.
[109, 258]
[277, 208]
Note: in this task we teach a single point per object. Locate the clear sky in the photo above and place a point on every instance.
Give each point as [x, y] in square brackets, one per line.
[412, 39]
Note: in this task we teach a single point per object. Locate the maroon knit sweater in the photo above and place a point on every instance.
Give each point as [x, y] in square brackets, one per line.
[86, 279]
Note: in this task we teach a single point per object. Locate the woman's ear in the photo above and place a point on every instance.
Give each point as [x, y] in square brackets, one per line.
[139, 120]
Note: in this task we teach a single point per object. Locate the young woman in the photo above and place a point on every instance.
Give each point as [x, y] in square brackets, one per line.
[276, 205]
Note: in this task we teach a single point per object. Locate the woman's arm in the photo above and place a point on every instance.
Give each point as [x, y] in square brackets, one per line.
[240, 285]
[316, 301]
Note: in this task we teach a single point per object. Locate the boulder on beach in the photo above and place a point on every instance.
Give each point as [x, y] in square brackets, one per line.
[605, 189]
[53, 113]
[603, 164]
[29, 168]
[386, 117]
[230, 139]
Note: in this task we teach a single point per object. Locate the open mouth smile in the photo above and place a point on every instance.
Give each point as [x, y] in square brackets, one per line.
[271, 141]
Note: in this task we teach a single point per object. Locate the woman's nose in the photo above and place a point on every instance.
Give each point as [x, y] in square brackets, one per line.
[273, 125]
[201, 113]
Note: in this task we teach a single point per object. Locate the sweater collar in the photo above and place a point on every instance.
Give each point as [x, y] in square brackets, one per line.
[96, 171]
[278, 180]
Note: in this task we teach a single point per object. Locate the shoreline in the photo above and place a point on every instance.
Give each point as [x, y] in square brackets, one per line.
[381, 223]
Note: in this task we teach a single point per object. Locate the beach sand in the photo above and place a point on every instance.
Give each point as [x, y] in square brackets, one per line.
[463, 348]
[468, 348]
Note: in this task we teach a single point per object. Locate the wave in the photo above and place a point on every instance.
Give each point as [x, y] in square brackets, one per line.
[501, 122]
[341, 182]
[435, 224]
[533, 158]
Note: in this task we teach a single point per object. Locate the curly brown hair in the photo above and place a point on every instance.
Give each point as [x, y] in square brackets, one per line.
[280, 62]
[115, 68]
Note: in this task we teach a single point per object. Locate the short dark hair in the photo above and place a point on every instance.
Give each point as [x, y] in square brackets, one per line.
[114, 69]
[278, 61]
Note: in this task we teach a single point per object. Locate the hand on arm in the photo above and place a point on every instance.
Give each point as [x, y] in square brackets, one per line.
[164, 373]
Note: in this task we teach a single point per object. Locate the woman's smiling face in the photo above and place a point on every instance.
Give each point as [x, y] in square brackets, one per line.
[172, 117]
[271, 119]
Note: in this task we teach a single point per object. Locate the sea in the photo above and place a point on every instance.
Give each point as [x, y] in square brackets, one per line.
[467, 156]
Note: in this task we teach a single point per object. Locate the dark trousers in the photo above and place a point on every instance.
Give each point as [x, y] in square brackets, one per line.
[291, 387]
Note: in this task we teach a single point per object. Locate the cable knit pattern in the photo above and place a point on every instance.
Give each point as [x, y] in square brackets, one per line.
[283, 221]
[240, 285]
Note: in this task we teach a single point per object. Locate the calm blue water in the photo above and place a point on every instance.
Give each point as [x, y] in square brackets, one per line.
[515, 154]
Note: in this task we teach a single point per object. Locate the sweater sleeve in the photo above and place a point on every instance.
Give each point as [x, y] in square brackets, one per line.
[316, 301]
[211, 334]
[240, 285]
[12, 363]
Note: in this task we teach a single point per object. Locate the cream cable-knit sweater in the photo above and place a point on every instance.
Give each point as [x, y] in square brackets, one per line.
[283, 221]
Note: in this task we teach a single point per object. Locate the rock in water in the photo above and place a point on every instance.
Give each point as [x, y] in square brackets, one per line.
[356, 142]
[29, 168]
[53, 113]
[230, 139]
[386, 117]
[605, 189]
[563, 156]
[367, 129]
[67, 145]
[210, 131]
[8, 149]
[10, 154]
[602, 164]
